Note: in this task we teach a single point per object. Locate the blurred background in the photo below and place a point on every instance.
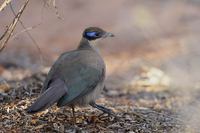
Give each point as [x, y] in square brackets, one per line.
[162, 34]
[156, 41]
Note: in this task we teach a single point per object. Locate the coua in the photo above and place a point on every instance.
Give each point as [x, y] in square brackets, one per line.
[77, 77]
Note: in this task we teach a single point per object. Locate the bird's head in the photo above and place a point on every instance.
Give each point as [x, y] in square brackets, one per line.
[95, 33]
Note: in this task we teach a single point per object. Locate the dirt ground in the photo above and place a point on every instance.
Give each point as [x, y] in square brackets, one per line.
[161, 34]
[138, 110]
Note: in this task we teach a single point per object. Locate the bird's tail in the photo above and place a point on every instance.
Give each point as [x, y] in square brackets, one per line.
[55, 91]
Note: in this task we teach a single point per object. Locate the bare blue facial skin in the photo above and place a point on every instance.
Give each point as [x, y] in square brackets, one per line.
[92, 35]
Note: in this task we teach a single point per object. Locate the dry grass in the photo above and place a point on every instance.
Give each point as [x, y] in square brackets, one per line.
[4, 4]
[7, 34]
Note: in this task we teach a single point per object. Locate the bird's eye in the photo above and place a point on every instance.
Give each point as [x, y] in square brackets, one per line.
[97, 34]
[92, 34]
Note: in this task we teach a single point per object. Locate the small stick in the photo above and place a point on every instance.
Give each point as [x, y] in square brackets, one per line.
[73, 113]
[29, 35]
[7, 34]
[4, 4]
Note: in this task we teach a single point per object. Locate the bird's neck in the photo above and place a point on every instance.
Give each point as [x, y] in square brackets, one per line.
[85, 44]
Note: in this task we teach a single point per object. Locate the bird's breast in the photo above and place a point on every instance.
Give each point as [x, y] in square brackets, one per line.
[92, 96]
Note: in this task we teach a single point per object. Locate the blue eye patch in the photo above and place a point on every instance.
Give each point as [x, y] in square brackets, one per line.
[91, 34]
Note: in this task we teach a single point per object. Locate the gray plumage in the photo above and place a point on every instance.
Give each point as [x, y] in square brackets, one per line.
[76, 78]
[49, 97]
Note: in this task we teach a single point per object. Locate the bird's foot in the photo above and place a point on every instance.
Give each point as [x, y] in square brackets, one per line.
[103, 109]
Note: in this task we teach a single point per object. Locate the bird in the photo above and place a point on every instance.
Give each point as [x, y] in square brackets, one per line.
[77, 77]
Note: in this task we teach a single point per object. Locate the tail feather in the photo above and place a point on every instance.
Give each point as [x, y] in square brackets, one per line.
[55, 91]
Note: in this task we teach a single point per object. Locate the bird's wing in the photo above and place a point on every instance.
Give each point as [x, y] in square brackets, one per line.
[55, 91]
[81, 71]
[55, 70]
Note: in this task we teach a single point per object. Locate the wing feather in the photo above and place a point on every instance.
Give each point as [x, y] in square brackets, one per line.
[55, 91]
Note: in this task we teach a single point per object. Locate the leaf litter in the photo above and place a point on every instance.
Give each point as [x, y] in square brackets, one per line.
[137, 110]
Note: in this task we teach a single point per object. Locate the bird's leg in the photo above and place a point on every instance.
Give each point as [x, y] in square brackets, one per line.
[73, 113]
[102, 108]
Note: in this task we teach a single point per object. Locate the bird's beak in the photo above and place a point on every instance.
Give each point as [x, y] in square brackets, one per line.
[108, 34]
